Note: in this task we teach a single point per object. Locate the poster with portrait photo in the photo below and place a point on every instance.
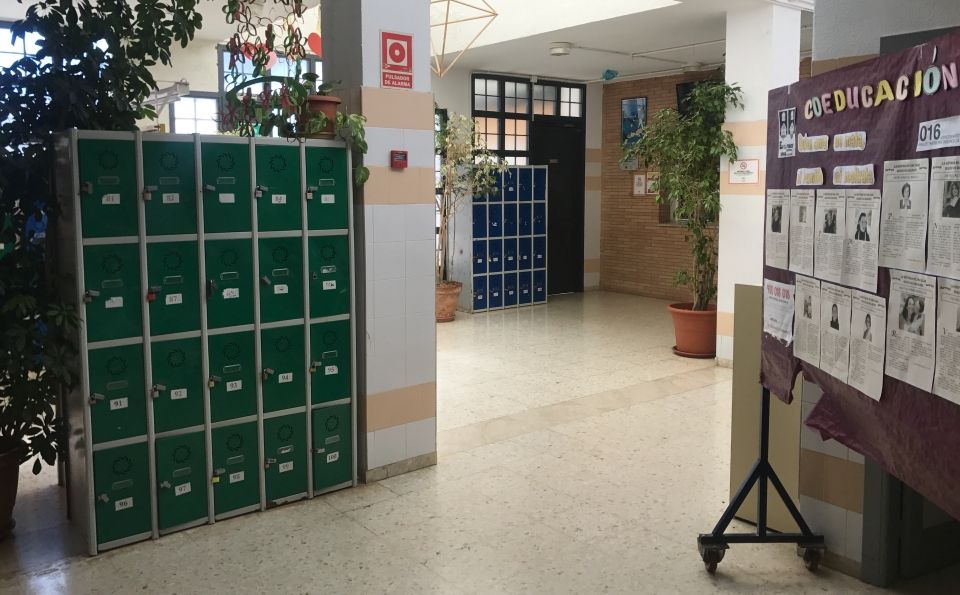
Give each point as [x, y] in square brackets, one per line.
[787, 137]
[862, 244]
[829, 235]
[633, 117]
[868, 332]
[777, 228]
[943, 229]
[806, 321]
[903, 228]
[911, 322]
[835, 330]
[801, 230]
[946, 378]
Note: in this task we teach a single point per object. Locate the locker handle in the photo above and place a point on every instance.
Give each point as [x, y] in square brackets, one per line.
[266, 280]
[86, 188]
[182, 472]
[310, 191]
[209, 187]
[314, 366]
[103, 498]
[89, 294]
[211, 288]
[213, 380]
[96, 397]
[235, 459]
[267, 373]
[319, 451]
[165, 485]
[258, 192]
[268, 461]
[285, 450]
[156, 390]
[148, 192]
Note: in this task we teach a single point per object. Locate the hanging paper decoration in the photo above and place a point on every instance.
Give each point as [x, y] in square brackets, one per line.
[315, 44]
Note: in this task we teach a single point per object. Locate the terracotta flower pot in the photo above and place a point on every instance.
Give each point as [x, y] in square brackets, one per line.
[448, 294]
[695, 330]
[326, 105]
[10, 455]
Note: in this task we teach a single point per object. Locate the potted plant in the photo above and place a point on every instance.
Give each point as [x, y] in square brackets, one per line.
[686, 150]
[466, 168]
[319, 102]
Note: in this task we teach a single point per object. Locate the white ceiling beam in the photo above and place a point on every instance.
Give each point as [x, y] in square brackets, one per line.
[798, 4]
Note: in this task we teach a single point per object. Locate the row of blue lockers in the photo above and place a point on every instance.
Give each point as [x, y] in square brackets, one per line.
[522, 184]
[509, 254]
[509, 289]
[505, 220]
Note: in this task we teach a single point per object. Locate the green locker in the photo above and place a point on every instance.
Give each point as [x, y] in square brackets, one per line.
[173, 295]
[332, 450]
[283, 373]
[329, 276]
[121, 480]
[225, 171]
[181, 480]
[236, 468]
[233, 389]
[108, 187]
[229, 283]
[177, 389]
[281, 279]
[327, 188]
[278, 192]
[285, 456]
[111, 276]
[330, 361]
[117, 398]
[169, 186]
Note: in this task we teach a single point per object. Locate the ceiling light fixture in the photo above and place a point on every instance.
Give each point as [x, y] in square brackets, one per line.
[560, 48]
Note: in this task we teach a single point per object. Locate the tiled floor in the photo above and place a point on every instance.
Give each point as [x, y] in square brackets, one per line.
[577, 455]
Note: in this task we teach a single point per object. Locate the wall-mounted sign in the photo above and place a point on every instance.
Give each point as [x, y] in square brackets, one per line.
[745, 171]
[396, 60]
[639, 184]
[653, 182]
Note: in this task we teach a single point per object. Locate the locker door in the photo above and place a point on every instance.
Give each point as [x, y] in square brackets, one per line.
[540, 183]
[112, 284]
[233, 376]
[121, 479]
[495, 291]
[278, 192]
[229, 283]
[283, 371]
[524, 219]
[177, 389]
[173, 293]
[525, 287]
[510, 295]
[510, 254]
[539, 252]
[281, 279]
[330, 361]
[510, 185]
[181, 480]
[236, 467]
[169, 186]
[509, 219]
[480, 293]
[329, 275]
[328, 187]
[496, 193]
[479, 256]
[495, 256]
[540, 218]
[539, 286]
[479, 221]
[117, 397]
[524, 253]
[285, 456]
[332, 449]
[108, 187]
[494, 220]
[226, 186]
[525, 184]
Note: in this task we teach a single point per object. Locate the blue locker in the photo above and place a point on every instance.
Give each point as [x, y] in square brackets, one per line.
[495, 291]
[495, 220]
[479, 221]
[539, 218]
[540, 183]
[479, 257]
[524, 287]
[524, 219]
[509, 219]
[510, 254]
[539, 286]
[495, 256]
[510, 185]
[524, 254]
[496, 193]
[480, 292]
[525, 184]
[510, 293]
[540, 252]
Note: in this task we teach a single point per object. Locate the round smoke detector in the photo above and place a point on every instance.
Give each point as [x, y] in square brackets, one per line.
[560, 48]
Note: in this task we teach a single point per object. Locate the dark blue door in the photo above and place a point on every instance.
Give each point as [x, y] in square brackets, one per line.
[510, 289]
[524, 254]
[509, 219]
[510, 254]
[480, 292]
[525, 287]
[495, 291]
[539, 252]
[539, 218]
[539, 286]
[524, 219]
[479, 221]
[495, 256]
[479, 256]
[540, 183]
[525, 184]
[495, 221]
[510, 185]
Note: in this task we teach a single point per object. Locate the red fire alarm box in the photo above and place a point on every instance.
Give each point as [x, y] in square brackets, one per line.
[398, 159]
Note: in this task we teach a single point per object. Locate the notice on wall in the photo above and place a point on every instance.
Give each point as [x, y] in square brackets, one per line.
[806, 327]
[653, 182]
[801, 231]
[835, 330]
[778, 307]
[850, 141]
[946, 379]
[813, 144]
[639, 184]
[744, 171]
[809, 176]
[787, 138]
[854, 175]
[396, 60]
[778, 228]
[829, 232]
[868, 316]
[911, 315]
[943, 230]
[862, 248]
[903, 230]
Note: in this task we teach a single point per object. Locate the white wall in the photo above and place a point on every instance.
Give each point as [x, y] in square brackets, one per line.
[197, 64]
[452, 92]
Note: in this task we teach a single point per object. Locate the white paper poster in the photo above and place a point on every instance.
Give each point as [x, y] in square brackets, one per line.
[903, 229]
[946, 380]
[787, 138]
[806, 328]
[835, 330]
[778, 310]
[863, 239]
[868, 325]
[802, 206]
[778, 228]
[943, 231]
[829, 233]
[911, 315]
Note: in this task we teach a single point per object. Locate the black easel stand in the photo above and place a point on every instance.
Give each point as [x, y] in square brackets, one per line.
[713, 545]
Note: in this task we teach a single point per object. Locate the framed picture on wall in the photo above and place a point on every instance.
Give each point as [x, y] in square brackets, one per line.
[633, 117]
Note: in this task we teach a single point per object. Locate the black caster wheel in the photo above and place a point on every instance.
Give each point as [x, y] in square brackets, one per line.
[712, 557]
[812, 558]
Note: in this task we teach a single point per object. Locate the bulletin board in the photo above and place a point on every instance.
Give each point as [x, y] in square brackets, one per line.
[841, 131]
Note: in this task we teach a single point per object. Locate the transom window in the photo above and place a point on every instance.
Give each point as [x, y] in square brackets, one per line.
[571, 101]
[544, 100]
[195, 114]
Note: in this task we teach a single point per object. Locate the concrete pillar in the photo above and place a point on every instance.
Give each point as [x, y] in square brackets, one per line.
[762, 53]
[592, 182]
[395, 223]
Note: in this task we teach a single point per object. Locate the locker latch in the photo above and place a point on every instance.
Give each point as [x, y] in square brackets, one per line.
[86, 188]
[267, 373]
[209, 187]
[148, 192]
[211, 288]
[319, 451]
[164, 485]
[266, 280]
[212, 382]
[314, 366]
[310, 191]
[258, 192]
[153, 292]
[96, 397]
[103, 498]
[156, 390]
[268, 462]
[89, 294]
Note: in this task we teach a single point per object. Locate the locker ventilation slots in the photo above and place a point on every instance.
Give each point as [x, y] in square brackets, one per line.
[213, 277]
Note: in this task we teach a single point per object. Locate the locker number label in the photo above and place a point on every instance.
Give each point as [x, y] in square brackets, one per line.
[234, 385]
[227, 198]
[328, 285]
[231, 293]
[123, 504]
[114, 302]
[331, 370]
[280, 289]
[236, 477]
[121, 403]
[285, 377]
[288, 466]
[183, 488]
[171, 198]
[111, 199]
[279, 199]
[178, 394]
[333, 457]
[328, 199]
[173, 299]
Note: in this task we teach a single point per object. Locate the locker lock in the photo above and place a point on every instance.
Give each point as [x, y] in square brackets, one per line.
[258, 192]
[103, 498]
[314, 366]
[319, 451]
[267, 373]
[266, 280]
[96, 397]
[156, 390]
[268, 462]
[164, 485]
[86, 188]
[211, 288]
[148, 192]
[310, 191]
[212, 382]
[153, 292]
[89, 294]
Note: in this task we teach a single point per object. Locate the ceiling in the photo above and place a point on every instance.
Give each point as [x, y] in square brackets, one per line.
[698, 25]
